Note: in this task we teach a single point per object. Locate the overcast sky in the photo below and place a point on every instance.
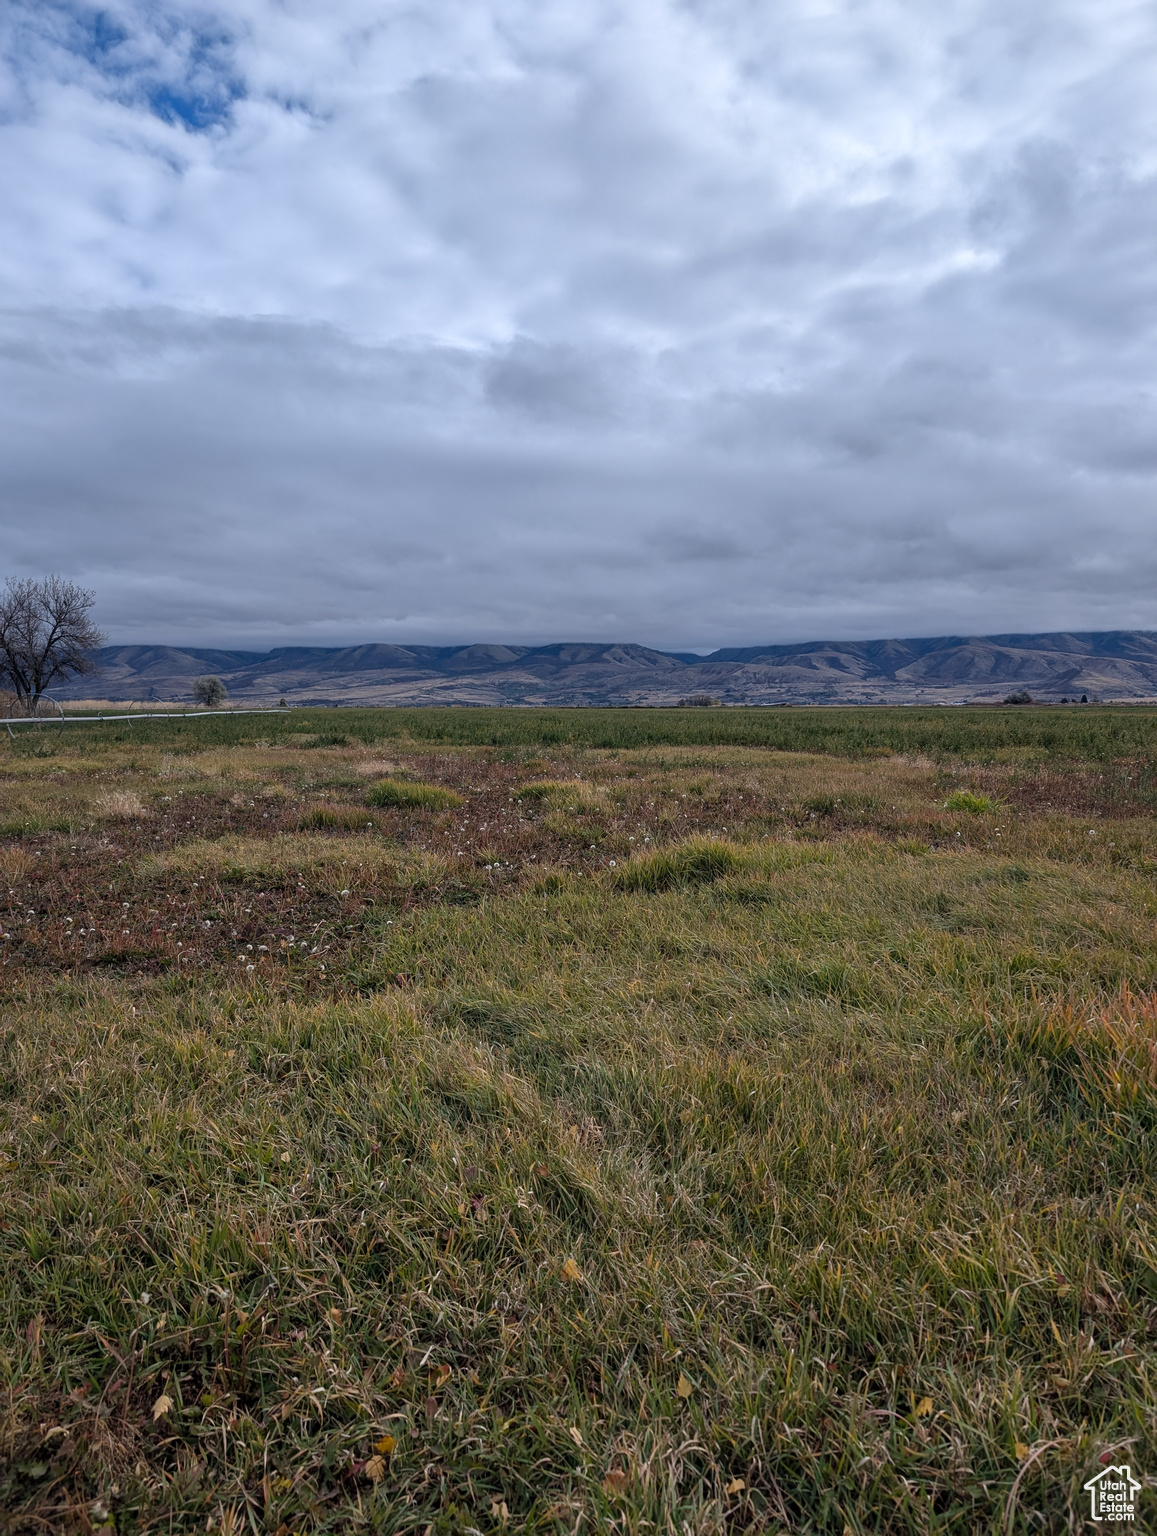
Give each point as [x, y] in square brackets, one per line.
[696, 324]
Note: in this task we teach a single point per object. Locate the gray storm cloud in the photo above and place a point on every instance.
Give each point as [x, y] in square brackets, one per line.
[695, 324]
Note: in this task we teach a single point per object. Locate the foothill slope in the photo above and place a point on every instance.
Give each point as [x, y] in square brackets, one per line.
[1119, 665]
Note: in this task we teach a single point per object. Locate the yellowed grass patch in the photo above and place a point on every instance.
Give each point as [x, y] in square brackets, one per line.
[329, 863]
[120, 804]
[16, 865]
[375, 768]
[576, 796]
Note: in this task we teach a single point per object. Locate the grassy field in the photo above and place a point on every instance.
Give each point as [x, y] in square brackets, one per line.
[1085, 733]
[469, 1120]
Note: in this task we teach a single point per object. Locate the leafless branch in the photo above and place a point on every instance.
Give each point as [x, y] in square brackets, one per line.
[46, 635]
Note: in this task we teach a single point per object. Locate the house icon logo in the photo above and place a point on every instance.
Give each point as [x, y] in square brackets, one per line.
[1113, 1494]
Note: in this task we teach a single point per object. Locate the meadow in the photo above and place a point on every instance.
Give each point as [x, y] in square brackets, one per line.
[1075, 733]
[689, 1121]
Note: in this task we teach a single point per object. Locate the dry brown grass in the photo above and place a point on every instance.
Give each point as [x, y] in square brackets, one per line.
[324, 863]
[120, 804]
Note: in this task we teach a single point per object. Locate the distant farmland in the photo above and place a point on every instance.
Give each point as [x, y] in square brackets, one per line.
[1077, 732]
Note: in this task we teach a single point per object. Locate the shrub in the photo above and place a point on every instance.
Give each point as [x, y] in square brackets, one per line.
[424, 797]
[210, 691]
[965, 800]
[1021, 696]
[694, 862]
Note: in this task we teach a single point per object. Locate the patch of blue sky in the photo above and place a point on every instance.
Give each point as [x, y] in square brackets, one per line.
[171, 62]
[95, 35]
[195, 109]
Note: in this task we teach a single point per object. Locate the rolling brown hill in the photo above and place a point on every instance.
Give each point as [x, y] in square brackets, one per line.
[1117, 664]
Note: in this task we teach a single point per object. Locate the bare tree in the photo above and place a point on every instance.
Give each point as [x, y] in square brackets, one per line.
[46, 635]
[210, 691]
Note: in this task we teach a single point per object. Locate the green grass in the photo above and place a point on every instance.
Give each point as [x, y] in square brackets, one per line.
[1079, 733]
[965, 800]
[690, 863]
[341, 818]
[783, 1162]
[548, 790]
[426, 797]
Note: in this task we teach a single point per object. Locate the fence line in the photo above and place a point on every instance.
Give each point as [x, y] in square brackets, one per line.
[189, 714]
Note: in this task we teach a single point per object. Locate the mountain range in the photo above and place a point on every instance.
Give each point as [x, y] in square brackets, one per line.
[1116, 664]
